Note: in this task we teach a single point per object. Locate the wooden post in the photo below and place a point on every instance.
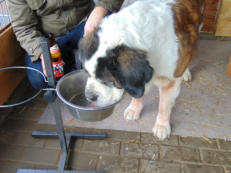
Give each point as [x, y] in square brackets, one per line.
[223, 27]
[228, 69]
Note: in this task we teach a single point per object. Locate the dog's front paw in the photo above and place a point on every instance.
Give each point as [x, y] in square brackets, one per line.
[161, 130]
[187, 76]
[132, 113]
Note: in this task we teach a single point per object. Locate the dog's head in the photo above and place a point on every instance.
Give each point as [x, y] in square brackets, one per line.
[113, 70]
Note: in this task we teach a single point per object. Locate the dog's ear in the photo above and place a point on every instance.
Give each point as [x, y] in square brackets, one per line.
[130, 68]
[88, 45]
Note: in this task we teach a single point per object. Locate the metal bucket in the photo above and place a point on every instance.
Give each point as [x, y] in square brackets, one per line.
[70, 89]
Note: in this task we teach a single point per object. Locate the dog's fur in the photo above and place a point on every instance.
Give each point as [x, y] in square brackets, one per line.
[147, 42]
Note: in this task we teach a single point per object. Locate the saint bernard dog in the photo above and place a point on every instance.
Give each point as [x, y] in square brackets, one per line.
[146, 43]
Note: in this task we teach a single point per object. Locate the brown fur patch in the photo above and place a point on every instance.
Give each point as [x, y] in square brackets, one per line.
[127, 59]
[169, 86]
[111, 78]
[187, 18]
[89, 44]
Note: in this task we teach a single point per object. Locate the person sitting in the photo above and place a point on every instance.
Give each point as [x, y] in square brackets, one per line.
[66, 20]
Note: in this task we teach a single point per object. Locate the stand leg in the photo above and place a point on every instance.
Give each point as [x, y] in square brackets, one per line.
[63, 158]
[80, 135]
[59, 126]
[51, 171]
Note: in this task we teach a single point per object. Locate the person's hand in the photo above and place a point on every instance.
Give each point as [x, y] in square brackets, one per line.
[43, 65]
[93, 20]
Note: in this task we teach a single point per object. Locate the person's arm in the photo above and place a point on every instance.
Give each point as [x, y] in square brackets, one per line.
[111, 5]
[93, 20]
[99, 12]
[25, 23]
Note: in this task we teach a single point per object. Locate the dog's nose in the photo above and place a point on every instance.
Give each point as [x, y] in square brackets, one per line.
[91, 96]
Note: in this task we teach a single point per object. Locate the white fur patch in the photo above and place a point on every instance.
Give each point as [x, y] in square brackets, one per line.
[146, 25]
[105, 95]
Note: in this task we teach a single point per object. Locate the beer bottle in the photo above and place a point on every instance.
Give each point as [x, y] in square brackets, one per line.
[56, 59]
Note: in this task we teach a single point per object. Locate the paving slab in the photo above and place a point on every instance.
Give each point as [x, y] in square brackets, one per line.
[148, 138]
[150, 166]
[11, 167]
[198, 142]
[216, 157]
[40, 156]
[228, 170]
[102, 147]
[19, 125]
[146, 151]
[187, 168]
[26, 139]
[27, 113]
[171, 153]
[225, 145]
[118, 165]
[82, 161]
[10, 153]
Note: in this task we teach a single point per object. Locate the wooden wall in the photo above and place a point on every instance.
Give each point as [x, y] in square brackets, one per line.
[210, 15]
[10, 54]
[217, 17]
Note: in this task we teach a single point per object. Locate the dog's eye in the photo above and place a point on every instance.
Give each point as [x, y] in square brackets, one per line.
[104, 82]
[110, 84]
[107, 83]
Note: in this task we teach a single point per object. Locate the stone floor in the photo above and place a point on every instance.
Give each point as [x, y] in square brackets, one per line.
[121, 152]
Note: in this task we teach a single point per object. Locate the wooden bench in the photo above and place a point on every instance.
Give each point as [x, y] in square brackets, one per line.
[11, 54]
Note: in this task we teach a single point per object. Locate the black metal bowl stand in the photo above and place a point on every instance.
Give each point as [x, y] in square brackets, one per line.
[64, 137]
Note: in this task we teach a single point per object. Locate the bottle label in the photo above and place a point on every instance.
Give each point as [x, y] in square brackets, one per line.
[58, 68]
[54, 48]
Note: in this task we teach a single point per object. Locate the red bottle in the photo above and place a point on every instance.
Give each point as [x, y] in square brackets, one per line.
[57, 61]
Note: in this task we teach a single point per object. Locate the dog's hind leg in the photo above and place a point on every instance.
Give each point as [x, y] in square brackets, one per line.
[134, 109]
[169, 90]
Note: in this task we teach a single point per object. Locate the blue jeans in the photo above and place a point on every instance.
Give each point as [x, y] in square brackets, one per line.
[67, 44]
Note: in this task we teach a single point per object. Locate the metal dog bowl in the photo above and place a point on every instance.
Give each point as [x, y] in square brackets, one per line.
[70, 89]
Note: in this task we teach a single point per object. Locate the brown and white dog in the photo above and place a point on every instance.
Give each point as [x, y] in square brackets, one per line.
[147, 42]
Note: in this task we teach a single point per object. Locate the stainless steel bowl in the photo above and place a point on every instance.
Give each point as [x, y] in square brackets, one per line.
[70, 89]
